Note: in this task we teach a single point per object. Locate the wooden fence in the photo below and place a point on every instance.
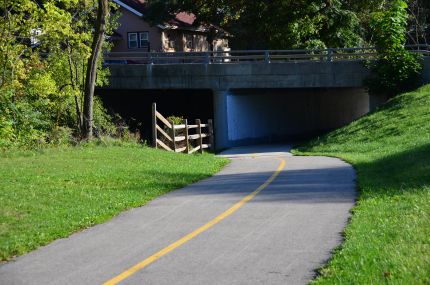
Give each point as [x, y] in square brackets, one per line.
[184, 138]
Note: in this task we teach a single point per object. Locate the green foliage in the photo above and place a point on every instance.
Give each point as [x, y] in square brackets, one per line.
[21, 122]
[52, 193]
[275, 24]
[388, 238]
[390, 26]
[282, 24]
[176, 120]
[397, 70]
[44, 48]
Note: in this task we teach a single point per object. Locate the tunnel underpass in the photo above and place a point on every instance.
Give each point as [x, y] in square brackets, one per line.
[245, 116]
[274, 115]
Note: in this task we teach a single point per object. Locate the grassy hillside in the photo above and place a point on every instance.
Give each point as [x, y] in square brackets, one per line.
[48, 195]
[388, 238]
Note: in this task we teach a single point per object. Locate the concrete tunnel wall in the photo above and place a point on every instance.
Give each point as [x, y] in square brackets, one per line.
[261, 116]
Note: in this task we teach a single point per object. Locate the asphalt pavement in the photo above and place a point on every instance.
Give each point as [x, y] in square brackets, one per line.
[267, 218]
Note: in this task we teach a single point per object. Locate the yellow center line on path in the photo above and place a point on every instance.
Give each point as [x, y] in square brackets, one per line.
[181, 241]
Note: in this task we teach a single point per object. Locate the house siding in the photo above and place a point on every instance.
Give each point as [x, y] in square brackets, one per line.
[160, 40]
[129, 23]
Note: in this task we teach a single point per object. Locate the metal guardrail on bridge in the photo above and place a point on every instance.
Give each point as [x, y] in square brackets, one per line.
[243, 56]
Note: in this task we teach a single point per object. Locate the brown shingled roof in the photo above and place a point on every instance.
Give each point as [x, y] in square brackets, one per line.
[185, 18]
[181, 19]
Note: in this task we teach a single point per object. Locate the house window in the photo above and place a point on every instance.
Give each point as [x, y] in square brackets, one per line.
[144, 39]
[138, 40]
[132, 40]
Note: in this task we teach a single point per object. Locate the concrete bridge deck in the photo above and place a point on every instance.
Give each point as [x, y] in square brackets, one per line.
[258, 75]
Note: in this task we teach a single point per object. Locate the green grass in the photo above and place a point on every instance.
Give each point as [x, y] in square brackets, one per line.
[388, 238]
[51, 194]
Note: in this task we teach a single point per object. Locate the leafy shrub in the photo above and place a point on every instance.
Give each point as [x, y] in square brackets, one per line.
[175, 119]
[397, 70]
[60, 136]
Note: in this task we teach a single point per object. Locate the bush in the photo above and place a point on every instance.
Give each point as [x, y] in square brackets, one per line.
[397, 70]
[28, 121]
[60, 136]
[394, 73]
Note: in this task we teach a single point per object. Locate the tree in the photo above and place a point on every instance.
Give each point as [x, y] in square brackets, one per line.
[90, 79]
[275, 24]
[419, 21]
[396, 70]
[44, 49]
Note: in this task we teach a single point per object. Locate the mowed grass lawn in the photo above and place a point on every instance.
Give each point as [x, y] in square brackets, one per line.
[388, 238]
[51, 194]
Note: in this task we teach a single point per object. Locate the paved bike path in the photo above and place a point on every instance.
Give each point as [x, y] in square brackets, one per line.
[280, 236]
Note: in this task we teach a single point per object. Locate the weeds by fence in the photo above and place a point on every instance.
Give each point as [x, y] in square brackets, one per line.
[183, 138]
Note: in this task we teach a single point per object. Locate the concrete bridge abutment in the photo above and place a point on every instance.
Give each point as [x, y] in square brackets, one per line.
[220, 118]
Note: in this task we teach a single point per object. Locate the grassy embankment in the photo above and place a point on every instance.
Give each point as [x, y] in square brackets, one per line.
[51, 194]
[388, 238]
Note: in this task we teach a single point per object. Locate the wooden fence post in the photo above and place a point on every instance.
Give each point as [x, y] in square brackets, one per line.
[186, 137]
[173, 136]
[154, 125]
[211, 135]
[199, 132]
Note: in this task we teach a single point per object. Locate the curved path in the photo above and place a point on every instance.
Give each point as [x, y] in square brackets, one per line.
[267, 218]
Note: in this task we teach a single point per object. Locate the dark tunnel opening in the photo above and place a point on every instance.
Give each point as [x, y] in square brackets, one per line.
[135, 106]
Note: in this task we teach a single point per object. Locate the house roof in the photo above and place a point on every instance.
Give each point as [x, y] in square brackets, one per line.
[184, 18]
[133, 5]
[138, 7]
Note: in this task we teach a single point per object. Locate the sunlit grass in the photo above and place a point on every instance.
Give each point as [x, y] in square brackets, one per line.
[51, 194]
[388, 238]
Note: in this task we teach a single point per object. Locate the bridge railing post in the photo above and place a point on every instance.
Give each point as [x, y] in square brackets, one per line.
[267, 56]
[207, 58]
[329, 55]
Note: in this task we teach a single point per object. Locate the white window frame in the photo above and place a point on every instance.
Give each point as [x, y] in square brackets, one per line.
[136, 40]
[143, 37]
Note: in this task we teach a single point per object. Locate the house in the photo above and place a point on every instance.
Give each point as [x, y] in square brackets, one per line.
[134, 34]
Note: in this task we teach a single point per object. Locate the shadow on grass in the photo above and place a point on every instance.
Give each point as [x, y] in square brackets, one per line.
[397, 173]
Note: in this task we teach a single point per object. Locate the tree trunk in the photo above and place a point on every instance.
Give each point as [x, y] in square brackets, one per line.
[90, 78]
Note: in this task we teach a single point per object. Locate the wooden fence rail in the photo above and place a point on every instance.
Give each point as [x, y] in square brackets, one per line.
[177, 138]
